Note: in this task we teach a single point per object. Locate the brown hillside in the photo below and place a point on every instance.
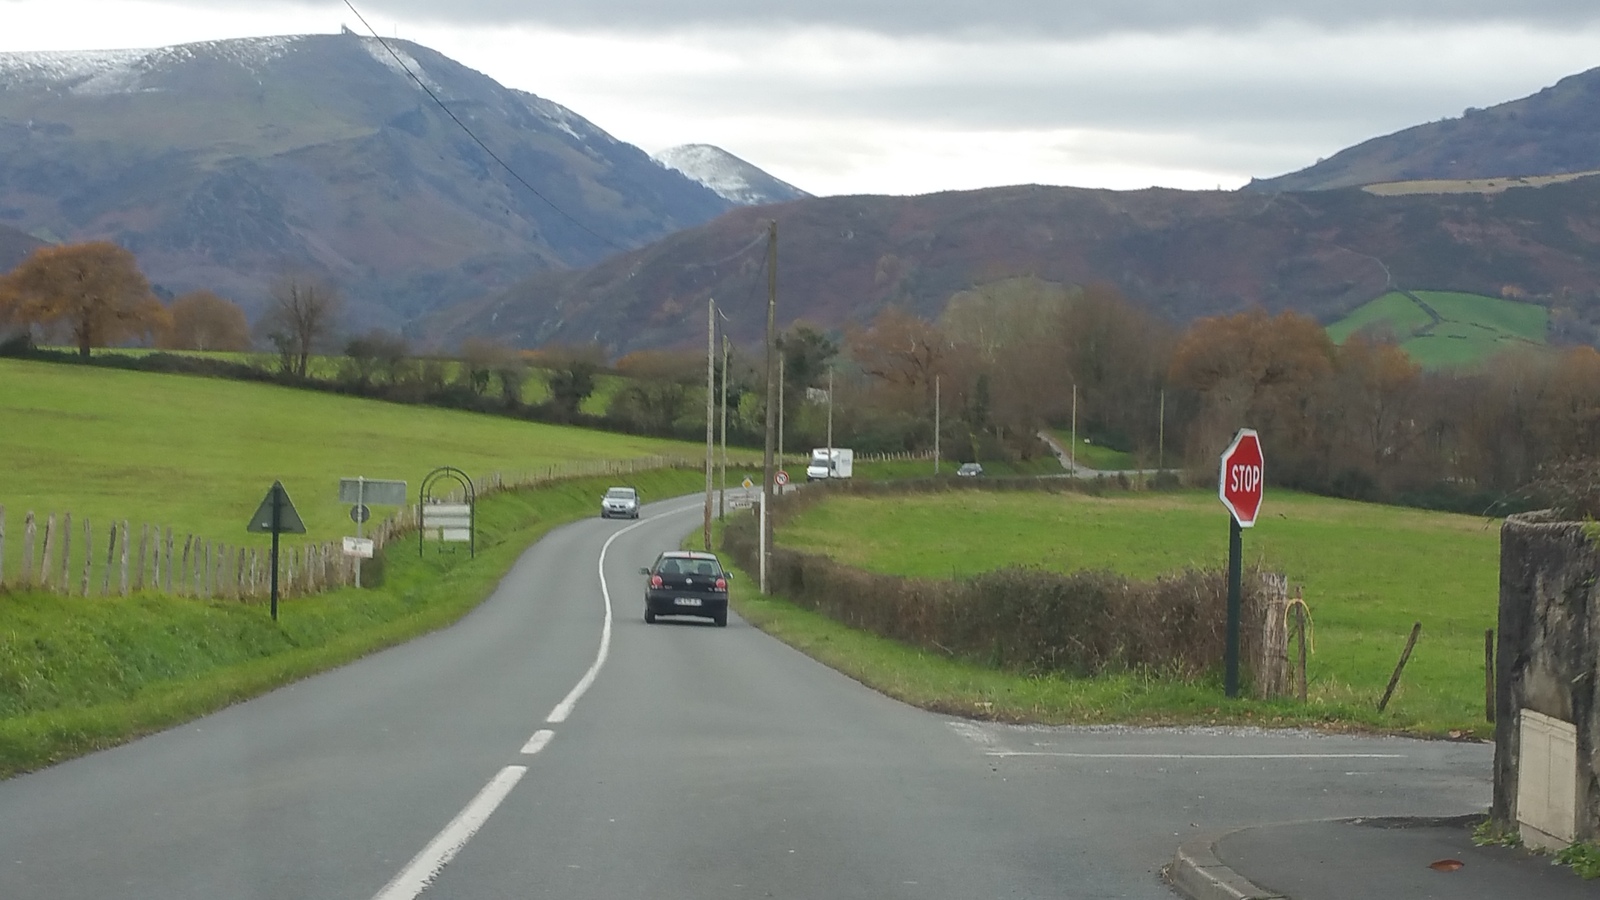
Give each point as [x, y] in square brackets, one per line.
[1185, 254]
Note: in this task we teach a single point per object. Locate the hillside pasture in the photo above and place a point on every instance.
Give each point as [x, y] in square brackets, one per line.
[198, 454]
[1470, 328]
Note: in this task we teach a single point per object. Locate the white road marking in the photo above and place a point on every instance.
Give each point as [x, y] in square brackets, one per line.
[564, 708]
[425, 866]
[537, 742]
[1197, 755]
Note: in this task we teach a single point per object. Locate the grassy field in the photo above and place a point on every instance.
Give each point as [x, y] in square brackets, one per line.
[1474, 328]
[77, 676]
[923, 468]
[1096, 456]
[198, 454]
[1368, 573]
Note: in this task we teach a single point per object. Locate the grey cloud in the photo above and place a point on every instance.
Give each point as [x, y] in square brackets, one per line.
[1036, 18]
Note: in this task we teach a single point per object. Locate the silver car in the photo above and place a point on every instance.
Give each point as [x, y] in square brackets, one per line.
[620, 502]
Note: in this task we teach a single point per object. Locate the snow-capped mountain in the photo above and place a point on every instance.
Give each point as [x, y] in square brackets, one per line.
[734, 179]
[226, 163]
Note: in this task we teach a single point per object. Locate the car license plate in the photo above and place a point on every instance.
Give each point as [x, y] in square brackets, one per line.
[687, 601]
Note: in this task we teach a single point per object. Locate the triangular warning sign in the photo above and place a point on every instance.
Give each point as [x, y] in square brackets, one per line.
[288, 520]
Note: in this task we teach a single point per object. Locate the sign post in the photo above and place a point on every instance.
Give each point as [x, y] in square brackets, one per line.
[1240, 487]
[276, 515]
[361, 491]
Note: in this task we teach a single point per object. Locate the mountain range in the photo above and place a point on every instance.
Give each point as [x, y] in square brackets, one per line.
[226, 164]
[1184, 254]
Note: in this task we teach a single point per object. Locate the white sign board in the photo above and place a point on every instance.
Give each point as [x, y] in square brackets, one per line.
[359, 547]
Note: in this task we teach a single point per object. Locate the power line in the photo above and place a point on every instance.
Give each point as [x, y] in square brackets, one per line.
[463, 126]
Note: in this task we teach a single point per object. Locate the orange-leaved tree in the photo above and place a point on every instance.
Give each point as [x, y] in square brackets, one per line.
[203, 321]
[95, 289]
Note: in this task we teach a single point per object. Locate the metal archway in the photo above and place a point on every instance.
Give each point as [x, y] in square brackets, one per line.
[453, 521]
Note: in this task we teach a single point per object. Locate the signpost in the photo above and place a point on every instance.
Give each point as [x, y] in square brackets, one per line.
[1240, 487]
[361, 491]
[276, 515]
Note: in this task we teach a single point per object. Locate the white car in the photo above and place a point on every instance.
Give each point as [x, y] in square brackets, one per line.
[620, 502]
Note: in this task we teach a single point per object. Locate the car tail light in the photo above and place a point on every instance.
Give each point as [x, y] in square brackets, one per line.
[722, 584]
[655, 581]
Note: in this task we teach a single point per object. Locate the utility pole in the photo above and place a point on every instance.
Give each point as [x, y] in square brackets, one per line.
[711, 422]
[1074, 452]
[772, 387]
[936, 424]
[830, 421]
[1161, 436]
[722, 497]
[783, 395]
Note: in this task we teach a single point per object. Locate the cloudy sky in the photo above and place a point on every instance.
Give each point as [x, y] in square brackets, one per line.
[874, 96]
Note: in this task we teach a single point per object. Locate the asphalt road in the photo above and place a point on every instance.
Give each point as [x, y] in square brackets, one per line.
[686, 761]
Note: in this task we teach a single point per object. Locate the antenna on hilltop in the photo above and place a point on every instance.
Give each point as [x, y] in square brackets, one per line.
[345, 29]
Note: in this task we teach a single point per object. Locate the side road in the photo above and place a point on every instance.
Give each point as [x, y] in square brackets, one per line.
[1377, 857]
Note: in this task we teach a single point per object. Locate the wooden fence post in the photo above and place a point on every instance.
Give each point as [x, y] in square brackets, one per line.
[111, 559]
[167, 550]
[88, 554]
[238, 577]
[144, 544]
[28, 530]
[206, 581]
[66, 554]
[47, 564]
[1300, 635]
[1405, 655]
[122, 587]
[183, 571]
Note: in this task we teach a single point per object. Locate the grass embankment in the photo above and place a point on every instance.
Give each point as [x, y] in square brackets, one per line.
[198, 454]
[1472, 328]
[1368, 572]
[78, 675]
[1097, 456]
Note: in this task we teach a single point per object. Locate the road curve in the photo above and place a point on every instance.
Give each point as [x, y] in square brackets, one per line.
[696, 762]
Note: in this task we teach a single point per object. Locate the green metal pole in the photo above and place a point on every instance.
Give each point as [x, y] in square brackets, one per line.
[1235, 583]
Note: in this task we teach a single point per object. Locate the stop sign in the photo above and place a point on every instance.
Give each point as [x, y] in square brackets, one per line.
[1240, 483]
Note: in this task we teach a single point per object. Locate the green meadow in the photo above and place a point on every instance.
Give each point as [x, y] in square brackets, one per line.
[1473, 328]
[1367, 572]
[198, 454]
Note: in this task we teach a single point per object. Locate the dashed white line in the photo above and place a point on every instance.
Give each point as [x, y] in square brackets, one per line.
[425, 866]
[537, 742]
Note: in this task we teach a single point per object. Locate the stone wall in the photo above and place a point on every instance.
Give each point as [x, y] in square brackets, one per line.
[1548, 655]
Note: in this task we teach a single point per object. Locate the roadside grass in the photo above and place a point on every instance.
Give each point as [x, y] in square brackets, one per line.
[1368, 573]
[198, 454]
[80, 675]
[1475, 327]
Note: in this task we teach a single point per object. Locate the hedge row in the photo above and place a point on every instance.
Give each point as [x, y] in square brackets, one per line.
[1025, 620]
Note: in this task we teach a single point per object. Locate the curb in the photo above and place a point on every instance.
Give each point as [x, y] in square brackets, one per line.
[1198, 874]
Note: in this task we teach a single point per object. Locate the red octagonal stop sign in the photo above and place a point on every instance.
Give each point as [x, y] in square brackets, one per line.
[1242, 479]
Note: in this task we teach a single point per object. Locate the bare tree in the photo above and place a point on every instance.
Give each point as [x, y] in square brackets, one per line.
[300, 317]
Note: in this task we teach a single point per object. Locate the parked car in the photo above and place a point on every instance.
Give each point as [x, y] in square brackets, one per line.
[969, 470]
[622, 502]
[686, 583]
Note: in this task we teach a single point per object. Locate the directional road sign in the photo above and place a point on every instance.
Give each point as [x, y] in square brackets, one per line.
[1240, 483]
[372, 490]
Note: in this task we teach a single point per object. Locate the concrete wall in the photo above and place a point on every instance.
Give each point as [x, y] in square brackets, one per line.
[1548, 660]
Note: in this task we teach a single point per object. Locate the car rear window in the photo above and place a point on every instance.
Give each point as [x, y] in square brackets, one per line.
[675, 565]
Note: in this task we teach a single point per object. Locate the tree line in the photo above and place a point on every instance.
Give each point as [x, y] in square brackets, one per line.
[1003, 361]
